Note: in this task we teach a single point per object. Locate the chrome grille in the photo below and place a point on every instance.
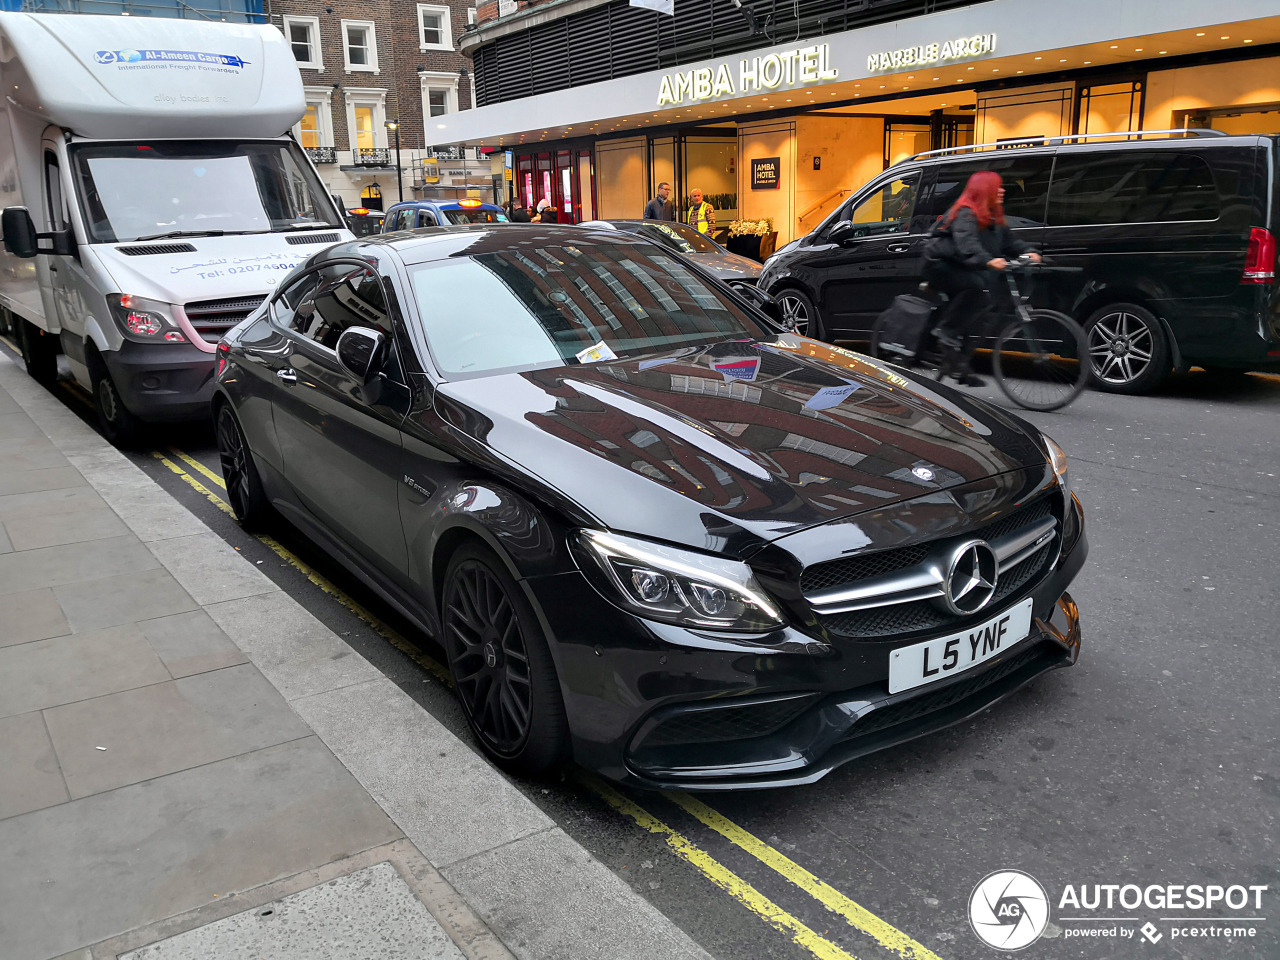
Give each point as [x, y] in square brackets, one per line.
[894, 593]
[212, 318]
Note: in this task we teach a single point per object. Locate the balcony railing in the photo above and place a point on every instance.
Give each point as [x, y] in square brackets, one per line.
[322, 154]
[373, 156]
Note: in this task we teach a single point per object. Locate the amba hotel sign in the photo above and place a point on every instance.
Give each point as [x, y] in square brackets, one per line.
[806, 65]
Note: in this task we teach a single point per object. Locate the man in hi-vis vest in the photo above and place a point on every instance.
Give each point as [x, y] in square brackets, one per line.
[702, 215]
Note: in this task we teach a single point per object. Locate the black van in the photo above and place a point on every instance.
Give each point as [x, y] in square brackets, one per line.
[1175, 235]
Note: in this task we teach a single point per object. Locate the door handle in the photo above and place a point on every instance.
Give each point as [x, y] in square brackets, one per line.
[898, 247]
[287, 375]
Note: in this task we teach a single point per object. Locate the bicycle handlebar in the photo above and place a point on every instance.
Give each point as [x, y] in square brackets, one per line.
[1025, 264]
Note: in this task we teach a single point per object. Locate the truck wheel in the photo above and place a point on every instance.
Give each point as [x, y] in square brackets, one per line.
[39, 352]
[118, 424]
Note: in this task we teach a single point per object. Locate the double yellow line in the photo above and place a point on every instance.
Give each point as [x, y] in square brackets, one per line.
[858, 917]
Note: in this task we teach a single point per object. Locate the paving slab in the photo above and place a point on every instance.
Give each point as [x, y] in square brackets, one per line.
[210, 569]
[73, 563]
[190, 643]
[18, 425]
[294, 650]
[31, 615]
[26, 453]
[6, 546]
[369, 913]
[48, 673]
[48, 478]
[31, 777]
[448, 800]
[592, 915]
[29, 533]
[90, 869]
[45, 502]
[124, 598]
[128, 737]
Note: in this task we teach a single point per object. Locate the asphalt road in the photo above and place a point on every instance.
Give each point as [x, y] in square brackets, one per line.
[1152, 762]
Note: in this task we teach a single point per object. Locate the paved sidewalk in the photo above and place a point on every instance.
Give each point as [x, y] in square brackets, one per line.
[191, 765]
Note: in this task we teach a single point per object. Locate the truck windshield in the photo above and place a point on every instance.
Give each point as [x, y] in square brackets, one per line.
[130, 191]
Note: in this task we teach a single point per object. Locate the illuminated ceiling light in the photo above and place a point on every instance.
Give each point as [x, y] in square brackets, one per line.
[1137, 49]
[996, 70]
[1164, 51]
[1087, 62]
[1199, 34]
[1224, 38]
[1062, 61]
[1116, 46]
[1019, 71]
[911, 76]
[1246, 41]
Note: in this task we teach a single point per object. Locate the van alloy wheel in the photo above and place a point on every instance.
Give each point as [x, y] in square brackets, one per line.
[799, 311]
[1128, 349]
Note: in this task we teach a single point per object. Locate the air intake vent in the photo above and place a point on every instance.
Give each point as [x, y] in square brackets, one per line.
[140, 251]
[313, 238]
[213, 318]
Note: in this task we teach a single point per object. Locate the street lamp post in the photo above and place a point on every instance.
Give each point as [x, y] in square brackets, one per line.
[394, 126]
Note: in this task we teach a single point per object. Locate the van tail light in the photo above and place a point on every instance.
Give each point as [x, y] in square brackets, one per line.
[1260, 261]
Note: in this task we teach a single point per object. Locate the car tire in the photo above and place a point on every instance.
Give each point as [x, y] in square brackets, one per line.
[1128, 349]
[245, 493]
[39, 352]
[798, 306]
[502, 670]
[118, 423]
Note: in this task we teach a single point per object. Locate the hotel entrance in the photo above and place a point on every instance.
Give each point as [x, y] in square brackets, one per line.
[564, 177]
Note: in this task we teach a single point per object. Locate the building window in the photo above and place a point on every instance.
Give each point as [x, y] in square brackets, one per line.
[439, 96]
[315, 130]
[360, 46]
[309, 127]
[303, 34]
[366, 119]
[435, 29]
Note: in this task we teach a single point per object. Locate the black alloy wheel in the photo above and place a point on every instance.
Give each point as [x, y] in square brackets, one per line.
[502, 670]
[799, 310]
[1128, 349]
[117, 422]
[244, 487]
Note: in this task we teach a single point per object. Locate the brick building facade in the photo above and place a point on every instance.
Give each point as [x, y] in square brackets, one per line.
[369, 63]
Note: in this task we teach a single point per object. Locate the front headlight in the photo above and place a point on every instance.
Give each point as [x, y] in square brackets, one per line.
[1057, 460]
[145, 320]
[677, 586]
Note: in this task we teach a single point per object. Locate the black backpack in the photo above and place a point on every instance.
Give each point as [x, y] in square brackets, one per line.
[938, 244]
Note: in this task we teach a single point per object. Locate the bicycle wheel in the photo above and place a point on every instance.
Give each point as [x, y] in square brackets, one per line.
[1042, 362]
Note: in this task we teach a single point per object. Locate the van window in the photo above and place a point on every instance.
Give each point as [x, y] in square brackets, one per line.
[54, 201]
[426, 219]
[1026, 187]
[1128, 187]
[887, 210]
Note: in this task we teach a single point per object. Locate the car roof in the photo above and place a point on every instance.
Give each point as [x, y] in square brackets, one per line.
[439, 243]
[443, 205]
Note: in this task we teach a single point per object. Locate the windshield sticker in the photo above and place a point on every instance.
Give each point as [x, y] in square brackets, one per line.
[737, 368]
[595, 353]
[829, 397]
[154, 59]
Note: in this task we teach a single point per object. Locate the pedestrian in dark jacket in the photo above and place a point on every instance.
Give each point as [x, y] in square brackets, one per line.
[547, 211]
[963, 257]
[661, 207]
[518, 213]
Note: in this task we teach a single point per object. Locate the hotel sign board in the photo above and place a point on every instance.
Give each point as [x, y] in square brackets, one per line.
[927, 54]
[766, 173]
[802, 65]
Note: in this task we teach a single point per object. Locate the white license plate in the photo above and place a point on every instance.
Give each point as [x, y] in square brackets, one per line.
[933, 660]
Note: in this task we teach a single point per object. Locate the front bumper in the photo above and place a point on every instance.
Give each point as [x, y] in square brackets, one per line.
[663, 714]
[162, 381]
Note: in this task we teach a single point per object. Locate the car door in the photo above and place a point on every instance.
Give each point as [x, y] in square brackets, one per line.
[861, 275]
[339, 438]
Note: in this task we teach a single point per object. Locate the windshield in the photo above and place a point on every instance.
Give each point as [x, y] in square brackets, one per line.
[474, 216]
[132, 191]
[558, 304]
[676, 236]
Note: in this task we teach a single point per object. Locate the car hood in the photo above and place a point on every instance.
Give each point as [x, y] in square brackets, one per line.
[727, 446]
[725, 265]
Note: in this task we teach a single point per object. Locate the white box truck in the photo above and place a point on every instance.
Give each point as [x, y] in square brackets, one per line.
[153, 196]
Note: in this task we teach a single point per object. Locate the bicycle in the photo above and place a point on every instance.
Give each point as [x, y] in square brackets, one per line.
[1040, 358]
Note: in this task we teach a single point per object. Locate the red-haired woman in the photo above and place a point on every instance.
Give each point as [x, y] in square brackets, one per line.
[971, 241]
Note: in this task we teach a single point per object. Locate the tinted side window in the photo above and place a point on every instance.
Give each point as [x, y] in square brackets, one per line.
[427, 219]
[1132, 188]
[1026, 187]
[347, 296]
[887, 210]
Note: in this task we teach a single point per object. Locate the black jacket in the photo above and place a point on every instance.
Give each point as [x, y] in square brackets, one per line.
[519, 215]
[964, 243]
[657, 209]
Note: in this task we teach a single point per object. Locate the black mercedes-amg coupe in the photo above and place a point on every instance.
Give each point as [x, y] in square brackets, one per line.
[653, 531]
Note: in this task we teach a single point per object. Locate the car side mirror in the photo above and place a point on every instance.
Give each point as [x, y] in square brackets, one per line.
[762, 302]
[19, 232]
[359, 350]
[842, 232]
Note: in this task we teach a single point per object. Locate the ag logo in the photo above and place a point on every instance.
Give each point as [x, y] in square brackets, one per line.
[1008, 910]
[105, 56]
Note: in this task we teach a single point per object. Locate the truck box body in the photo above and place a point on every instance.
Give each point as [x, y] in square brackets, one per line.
[156, 155]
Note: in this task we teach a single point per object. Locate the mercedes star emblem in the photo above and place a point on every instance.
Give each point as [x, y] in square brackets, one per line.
[971, 577]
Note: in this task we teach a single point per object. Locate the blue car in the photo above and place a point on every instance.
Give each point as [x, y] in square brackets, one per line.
[441, 213]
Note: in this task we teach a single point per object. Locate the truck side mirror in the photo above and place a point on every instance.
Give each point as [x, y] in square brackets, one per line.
[359, 350]
[19, 232]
